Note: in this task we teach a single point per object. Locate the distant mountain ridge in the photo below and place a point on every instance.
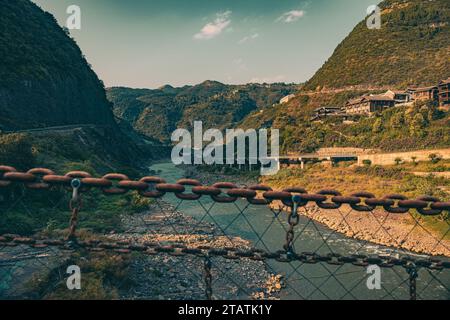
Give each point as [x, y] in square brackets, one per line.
[156, 113]
[411, 48]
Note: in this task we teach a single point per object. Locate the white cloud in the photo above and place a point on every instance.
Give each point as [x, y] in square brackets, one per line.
[248, 38]
[274, 79]
[291, 16]
[214, 28]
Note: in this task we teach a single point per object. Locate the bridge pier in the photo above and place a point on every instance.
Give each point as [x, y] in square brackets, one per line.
[302, 164]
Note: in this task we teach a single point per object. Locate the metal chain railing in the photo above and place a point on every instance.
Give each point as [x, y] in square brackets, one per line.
[229, 193]
[155, 187]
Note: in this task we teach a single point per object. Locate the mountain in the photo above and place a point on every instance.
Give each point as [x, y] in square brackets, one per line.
[411, 48]
[157, 113]
[44, 78]
[47, 84]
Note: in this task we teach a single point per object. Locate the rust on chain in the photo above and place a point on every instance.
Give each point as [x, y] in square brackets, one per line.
[242, 193]
[126, 247]
[3, 170]
[393, 206]
[19, 177]
[188, 196]
[260, 190]
[295, 191]
[39, 184]
[224, 199]
[150, 191]
[224, 192]
[206, 191]
[330, 204]
[170, 187]
[363, 196]
[428, 210]
[114, 189]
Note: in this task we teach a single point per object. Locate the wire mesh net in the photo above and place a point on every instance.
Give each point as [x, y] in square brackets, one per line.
[131, 247]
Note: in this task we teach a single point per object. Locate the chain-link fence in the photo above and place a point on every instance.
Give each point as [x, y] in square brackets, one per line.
[147, 239]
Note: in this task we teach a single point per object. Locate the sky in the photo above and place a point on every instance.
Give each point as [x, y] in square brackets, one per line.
[151, 43]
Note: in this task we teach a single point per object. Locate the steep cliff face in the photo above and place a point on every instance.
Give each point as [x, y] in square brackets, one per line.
[44, 78]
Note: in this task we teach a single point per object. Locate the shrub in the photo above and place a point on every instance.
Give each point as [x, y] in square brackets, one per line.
[16, 151]
[435, 158]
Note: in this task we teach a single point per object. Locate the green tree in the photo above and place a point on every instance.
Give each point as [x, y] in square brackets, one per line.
[377, 126]
[397, 120]
[417, 125]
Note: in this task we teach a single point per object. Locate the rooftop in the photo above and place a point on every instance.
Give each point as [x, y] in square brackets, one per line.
[446, 81]
[421, 89]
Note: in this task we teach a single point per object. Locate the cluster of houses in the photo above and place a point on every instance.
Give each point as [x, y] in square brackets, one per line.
[370, 104]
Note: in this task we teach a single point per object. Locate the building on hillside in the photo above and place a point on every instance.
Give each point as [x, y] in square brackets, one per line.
[444, 93]
[324, 112]
[424, 93]
[369, 104]
[287, 99]
[400, 96]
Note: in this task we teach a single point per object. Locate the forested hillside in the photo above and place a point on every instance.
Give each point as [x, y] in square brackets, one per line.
[44, 78]
[45, 81]
[156, 113]
[411, 48]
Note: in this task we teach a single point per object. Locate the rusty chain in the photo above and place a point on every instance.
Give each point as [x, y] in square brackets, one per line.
[208, 277]
[154, 248]
[223, 192]
[75, 207]
[411, 268]
[293, 220]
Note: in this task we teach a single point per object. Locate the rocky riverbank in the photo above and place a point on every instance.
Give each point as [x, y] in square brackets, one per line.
[378, 227]
[23, 269]
[182, 277]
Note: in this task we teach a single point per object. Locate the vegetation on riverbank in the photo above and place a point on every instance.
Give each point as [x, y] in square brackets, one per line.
[38, 210]
[378, 180]
[420, 126]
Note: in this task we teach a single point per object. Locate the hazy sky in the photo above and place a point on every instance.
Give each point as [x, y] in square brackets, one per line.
[149, 43]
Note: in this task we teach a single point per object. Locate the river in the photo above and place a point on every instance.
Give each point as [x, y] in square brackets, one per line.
[265, 230]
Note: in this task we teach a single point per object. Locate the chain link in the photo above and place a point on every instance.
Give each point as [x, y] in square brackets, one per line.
[293, 220]
[153, 248]
[223, 192]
